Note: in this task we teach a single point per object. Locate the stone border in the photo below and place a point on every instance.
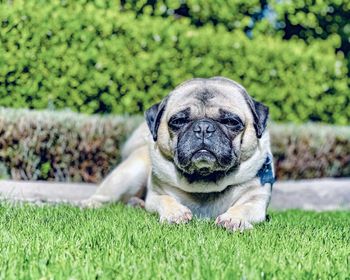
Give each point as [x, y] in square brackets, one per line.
[320, 194]
[45, 192]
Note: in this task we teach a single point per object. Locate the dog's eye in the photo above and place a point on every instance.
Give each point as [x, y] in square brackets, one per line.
[177, 123]
[231, 123]
[179, 119]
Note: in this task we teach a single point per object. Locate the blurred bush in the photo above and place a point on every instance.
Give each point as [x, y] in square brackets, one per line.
[95, 59]
[308, 20]
[65, 146]
[60, 146]
[310, 150]
[232, 14]
[311, 20]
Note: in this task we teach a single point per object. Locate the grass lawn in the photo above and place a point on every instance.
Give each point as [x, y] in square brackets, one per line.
[117, 242]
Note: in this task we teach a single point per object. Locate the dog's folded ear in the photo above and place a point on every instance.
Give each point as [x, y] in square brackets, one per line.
[260, 111]
[260, 114]
[153, 117]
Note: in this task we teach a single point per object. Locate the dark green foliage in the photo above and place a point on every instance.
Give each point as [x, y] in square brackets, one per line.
[94, 59]
[310, 20]
[66, 146]
[232, 14]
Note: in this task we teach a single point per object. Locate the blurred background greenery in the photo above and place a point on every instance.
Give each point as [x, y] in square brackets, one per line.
[121, 56]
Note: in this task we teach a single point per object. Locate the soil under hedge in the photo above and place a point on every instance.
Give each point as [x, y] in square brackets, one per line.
[66, 146]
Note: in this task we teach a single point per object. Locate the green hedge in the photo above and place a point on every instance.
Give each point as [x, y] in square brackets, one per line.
[310, 20]
[310, 150]
[97, 60]
[232, 14]
[66, 146]
[62, 146]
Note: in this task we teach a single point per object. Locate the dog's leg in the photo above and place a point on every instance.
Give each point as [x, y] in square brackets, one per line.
[168, 208]
[125, 181]
[249, 209]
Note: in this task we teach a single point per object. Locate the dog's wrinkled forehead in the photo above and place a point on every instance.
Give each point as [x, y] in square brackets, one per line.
[205, 96]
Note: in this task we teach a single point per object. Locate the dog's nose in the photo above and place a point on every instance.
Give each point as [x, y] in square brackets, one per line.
[203, 129]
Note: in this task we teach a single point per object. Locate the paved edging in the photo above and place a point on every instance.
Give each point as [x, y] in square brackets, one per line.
[45, 192]
[320, 194]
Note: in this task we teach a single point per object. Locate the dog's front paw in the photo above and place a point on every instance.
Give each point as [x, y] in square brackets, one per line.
[232, 224]
[176, 215]
[90, 203]
[136, 202]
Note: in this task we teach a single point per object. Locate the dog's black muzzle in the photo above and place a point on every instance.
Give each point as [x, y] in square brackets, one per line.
[203, 147]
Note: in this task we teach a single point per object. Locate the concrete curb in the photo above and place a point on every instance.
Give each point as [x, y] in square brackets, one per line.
[319, 195]
[45, 192]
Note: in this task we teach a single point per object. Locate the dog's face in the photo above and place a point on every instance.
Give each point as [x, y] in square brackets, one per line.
[207, 127]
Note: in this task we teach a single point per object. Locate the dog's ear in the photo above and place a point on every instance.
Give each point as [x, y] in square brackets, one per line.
[260, 114]
[153, 117]
[260, 111]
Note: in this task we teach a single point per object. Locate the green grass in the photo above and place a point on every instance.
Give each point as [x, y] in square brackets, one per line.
[118, 242]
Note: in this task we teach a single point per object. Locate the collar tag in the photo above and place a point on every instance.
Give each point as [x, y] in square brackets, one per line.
[266, 173]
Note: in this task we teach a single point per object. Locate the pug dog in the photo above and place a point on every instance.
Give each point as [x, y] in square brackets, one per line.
[203, 151]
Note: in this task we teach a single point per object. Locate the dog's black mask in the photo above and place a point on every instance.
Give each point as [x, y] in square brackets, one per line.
[201, 146]
[204, 146]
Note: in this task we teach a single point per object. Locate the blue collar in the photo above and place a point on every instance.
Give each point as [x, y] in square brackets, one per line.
[266, 173]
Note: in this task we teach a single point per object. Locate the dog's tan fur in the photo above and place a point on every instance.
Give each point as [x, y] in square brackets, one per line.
[236, 201]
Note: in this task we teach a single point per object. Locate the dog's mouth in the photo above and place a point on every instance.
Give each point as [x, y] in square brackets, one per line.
[203, 161]
[204, 166]
[203, 156]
